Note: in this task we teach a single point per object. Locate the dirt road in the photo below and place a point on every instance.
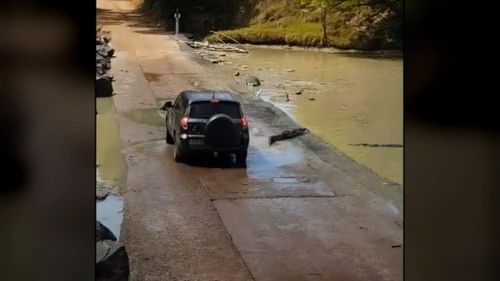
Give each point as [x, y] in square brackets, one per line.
[298, 210]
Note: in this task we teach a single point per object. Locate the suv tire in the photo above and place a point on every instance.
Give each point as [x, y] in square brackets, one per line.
[169, 138]
[241, 156]
[178, 157]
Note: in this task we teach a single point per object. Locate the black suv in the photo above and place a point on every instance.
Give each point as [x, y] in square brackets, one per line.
[206, 121]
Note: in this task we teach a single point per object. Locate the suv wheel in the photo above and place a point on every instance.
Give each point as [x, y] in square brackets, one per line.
[169, 138]
[241, 156]
[178, 157]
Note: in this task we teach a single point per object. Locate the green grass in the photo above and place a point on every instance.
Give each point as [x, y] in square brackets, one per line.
[284, 22]
[293, 33]
[306, 34]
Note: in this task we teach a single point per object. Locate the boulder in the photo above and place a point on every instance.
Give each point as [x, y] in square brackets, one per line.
[103, 86]
[111, 261]
[110, 51]
[100, 69]
[105, 51]
[103, 233]
[106, 38]
[102, 59]
[253, 81]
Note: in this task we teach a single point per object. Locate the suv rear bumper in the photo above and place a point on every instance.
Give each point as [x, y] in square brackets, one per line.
[186, 144]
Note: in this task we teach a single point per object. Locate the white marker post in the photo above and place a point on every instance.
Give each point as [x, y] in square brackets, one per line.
[177, 16]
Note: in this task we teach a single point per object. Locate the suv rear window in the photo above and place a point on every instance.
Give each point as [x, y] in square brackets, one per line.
[207, 109]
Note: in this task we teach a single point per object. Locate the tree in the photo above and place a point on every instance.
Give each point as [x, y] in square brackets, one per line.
[324, 6]
[395, 6]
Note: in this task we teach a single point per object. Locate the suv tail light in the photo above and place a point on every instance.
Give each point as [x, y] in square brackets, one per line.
[244, 122]
[184, 123]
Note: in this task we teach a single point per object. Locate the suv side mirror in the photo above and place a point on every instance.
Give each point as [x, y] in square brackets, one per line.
[168, 104]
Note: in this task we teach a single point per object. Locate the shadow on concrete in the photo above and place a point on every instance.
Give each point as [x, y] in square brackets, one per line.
[207, 160]
[109, 17]
[142, 22]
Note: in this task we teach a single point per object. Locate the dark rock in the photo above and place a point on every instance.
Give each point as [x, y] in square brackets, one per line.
[112, 262]
[100, 69]
[102, 59]
[106, 38]
[104, 51]
[110, 51]
[253, 81]
[237, 73]
[103, 86]
[103, 233]
[103, 64]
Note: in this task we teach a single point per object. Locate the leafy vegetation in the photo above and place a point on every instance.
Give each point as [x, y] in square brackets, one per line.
[356, 24]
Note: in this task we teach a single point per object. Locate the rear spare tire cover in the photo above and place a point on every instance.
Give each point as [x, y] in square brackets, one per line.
[221, 131]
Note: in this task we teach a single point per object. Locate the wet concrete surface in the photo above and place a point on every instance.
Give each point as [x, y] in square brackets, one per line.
[290, 213]
[291, 242]
[146, 116]
[172, 230]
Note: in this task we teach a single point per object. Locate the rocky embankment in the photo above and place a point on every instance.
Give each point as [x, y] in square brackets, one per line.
[104, 53]
[112, 262]
[111, 257]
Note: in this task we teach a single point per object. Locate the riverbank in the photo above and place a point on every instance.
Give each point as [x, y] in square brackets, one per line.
[300, 34]
[389, 53]
[370, 26]
[332, 50]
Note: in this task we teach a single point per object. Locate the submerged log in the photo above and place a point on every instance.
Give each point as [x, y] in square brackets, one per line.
[216, 47]
[288, 134]
[376, 145]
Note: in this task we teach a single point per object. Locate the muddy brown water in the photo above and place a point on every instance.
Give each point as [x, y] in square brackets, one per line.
[150, 116]
[345, 98]
[111, 170]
